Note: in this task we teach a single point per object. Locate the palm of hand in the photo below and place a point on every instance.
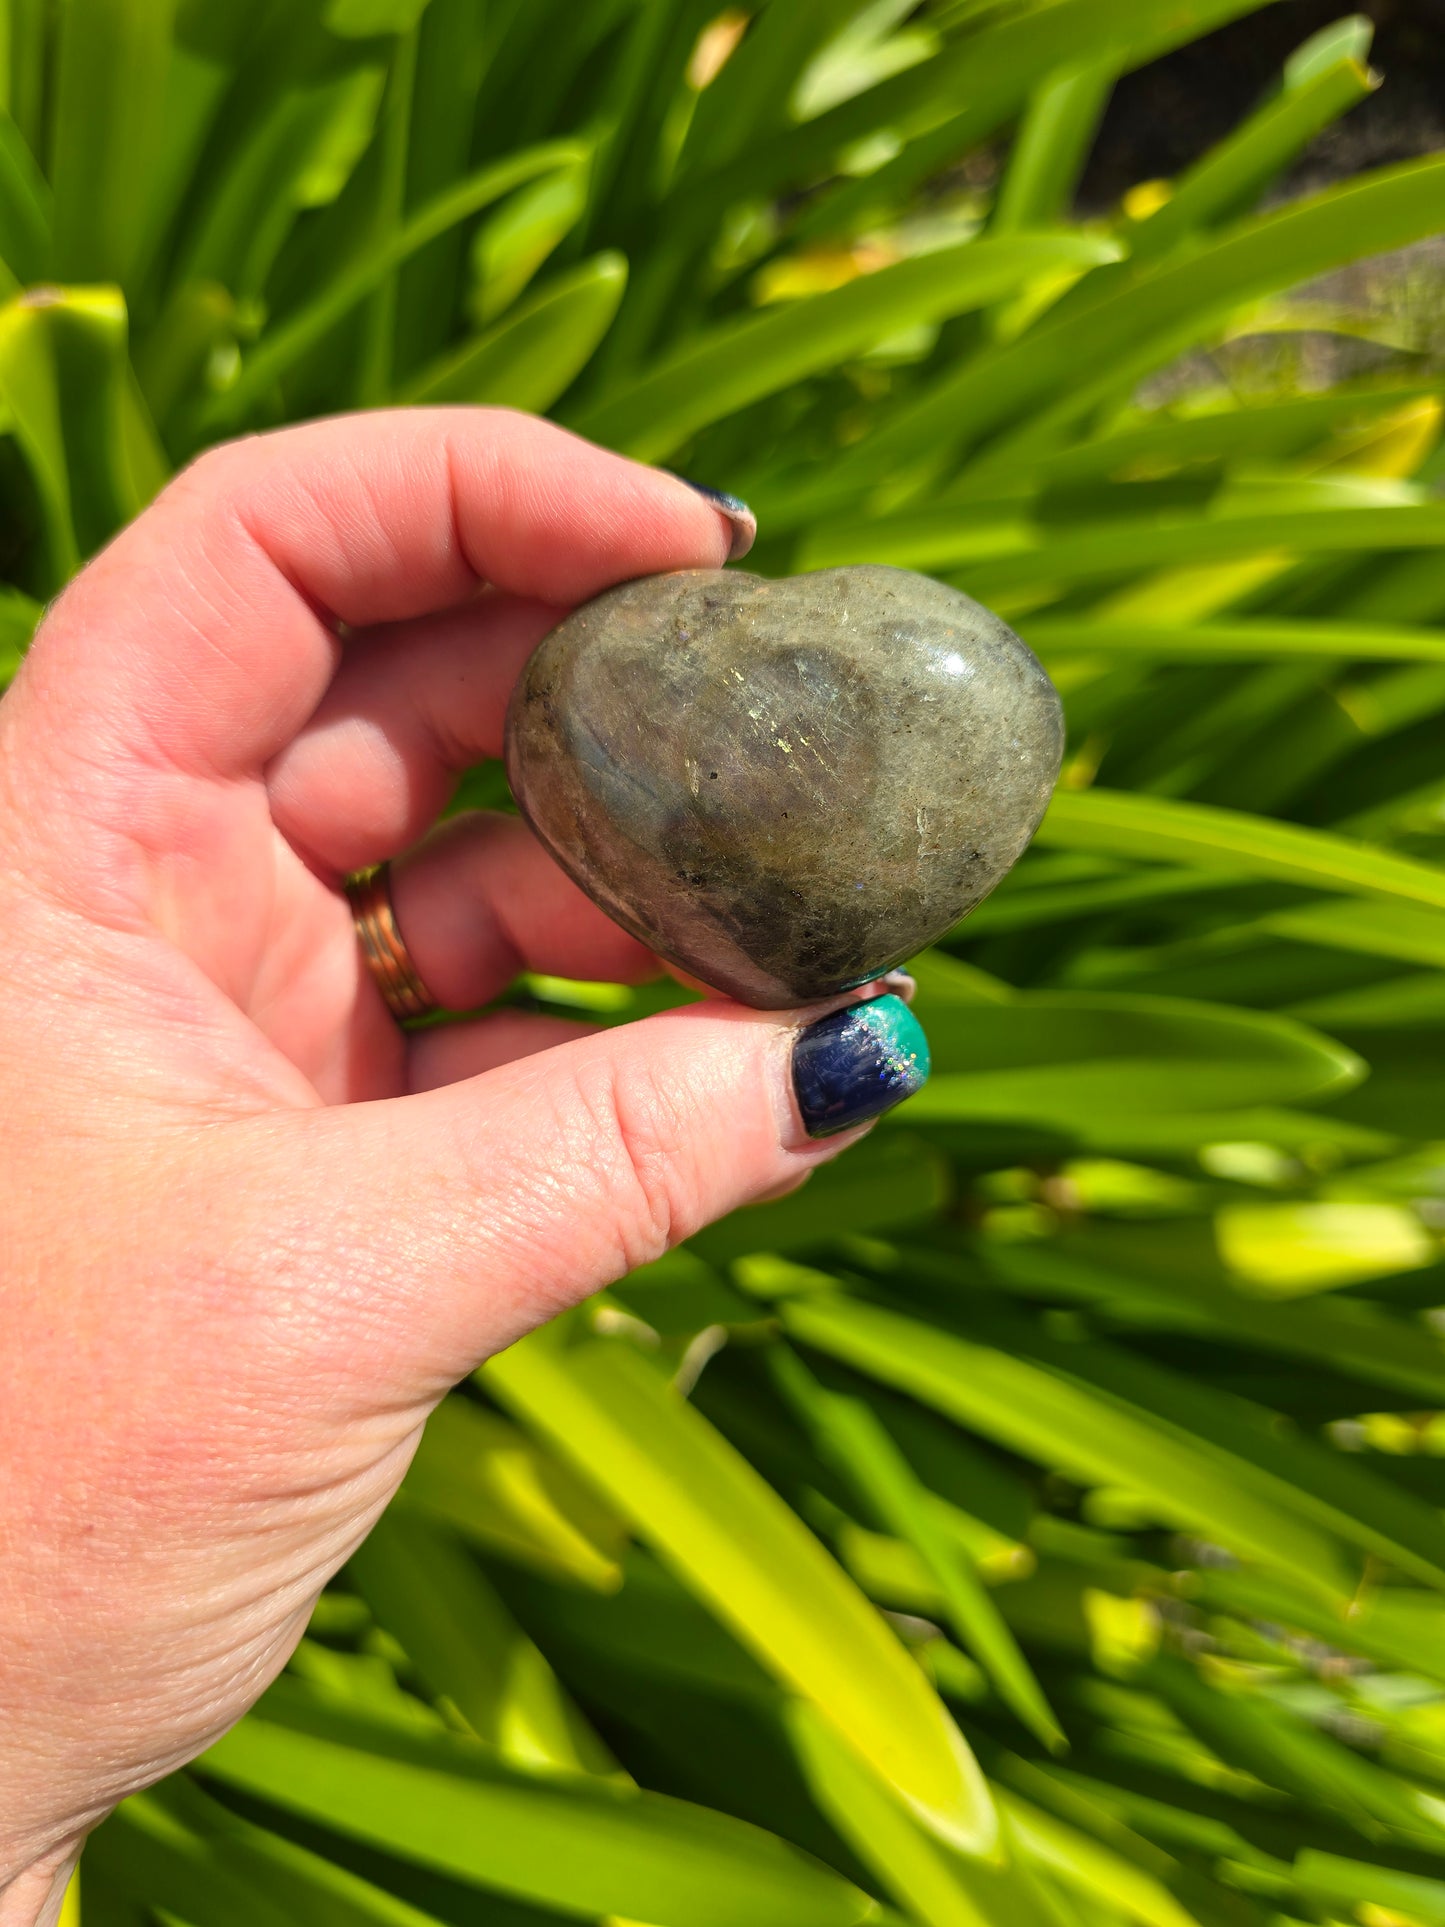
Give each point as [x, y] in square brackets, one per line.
[235, 1291]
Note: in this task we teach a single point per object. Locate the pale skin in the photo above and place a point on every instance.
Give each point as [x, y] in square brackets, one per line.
[252, 1230]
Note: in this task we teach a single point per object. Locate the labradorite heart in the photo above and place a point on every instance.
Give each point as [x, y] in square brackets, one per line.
[785, 787]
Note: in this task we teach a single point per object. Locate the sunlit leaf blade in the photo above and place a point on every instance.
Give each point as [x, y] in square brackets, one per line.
[105, 129]
[65, 384]
[532, 355]
[1009, 556]
[851, 1436]
[25, 207]
[884, 1184]
[1234, 430]
[965, 92]
[1163, 830]
[285, 345]
[1338, 1332]
[748, 359]
[1233, 174]
[1066, 1055]
[434, 1600]
[1333, 1881]
[935, 1886]
[477, 1474]
[709, 1516]
[1256, 640]
[578, 1845]
[18, 618]
[1051, 146]
[177, 1848]
[1157, 312]
[1098, 1874]
[1043, 1416]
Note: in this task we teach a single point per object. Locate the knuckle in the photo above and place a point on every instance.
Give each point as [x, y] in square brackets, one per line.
[650, 1173]
[205, 478]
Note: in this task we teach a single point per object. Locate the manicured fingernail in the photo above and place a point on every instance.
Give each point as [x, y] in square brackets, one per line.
[902, 983]
[857, 1063]
[745, 523]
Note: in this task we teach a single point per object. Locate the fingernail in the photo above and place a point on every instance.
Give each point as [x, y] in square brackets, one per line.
[857, 1063]
[902, 983]
[745, 523]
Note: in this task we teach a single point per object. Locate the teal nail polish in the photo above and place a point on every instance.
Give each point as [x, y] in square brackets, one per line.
[857, 1063]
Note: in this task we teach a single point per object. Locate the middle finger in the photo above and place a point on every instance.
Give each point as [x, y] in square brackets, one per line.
[480, 900]
[411, 706]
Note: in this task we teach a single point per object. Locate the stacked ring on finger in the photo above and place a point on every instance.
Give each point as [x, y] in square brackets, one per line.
[384, 947]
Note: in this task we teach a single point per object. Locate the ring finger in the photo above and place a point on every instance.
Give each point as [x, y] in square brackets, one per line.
[480, 900]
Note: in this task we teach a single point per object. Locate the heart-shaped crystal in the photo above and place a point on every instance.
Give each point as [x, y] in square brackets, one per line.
[785, 787]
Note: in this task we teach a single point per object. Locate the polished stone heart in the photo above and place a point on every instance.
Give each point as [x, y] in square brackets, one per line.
[785, 787]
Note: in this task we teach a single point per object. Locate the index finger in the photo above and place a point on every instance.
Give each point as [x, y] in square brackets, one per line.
[207, 632]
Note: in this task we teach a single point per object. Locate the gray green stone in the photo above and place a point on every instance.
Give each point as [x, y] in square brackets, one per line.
[784, 787]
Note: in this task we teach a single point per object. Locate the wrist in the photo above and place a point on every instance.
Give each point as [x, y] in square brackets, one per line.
[34, 1897]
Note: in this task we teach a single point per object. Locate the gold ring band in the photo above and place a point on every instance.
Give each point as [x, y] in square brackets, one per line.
[383, 947]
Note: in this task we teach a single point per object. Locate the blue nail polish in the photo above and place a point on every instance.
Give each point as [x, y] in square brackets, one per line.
[857, 1063]
[745, 523]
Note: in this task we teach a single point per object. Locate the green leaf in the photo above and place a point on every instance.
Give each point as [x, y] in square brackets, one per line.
[535, 352]
[284, 345]
[850, 1436]
[745, 360]
[1234, 431]
[1162, 830]
[454, 49]
[106, 130]
[1339, 1333]
[1397, 930]
[1051, 147]
[387, 180]
[296, 149]
[478, 1474]
[30, 403]
[1233, 175]
[1149, 315]
[359, 19]
[177, 1848]
[1067, 1056]
[1283, 1751]
[888, 1181]
[749, 97]
[433, 1599]
[1009, 555]
[1255, 640]
[579, 1845]
[1347, 39]
[934, 1885]
[1350, 1884]
[1067, 1427]
[711, 1518]
[1399, 1629]
[25, 207]
[510, 245]
[1266, 1457]
[19, 616]
[66, 386]
[975, 85]
[1100, 1875]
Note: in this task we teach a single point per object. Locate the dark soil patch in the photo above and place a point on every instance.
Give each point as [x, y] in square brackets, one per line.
[1167, 114]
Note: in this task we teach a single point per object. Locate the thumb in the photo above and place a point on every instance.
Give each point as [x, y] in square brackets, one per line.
[466, 1215]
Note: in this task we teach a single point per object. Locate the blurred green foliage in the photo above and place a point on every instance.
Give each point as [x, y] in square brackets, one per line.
[1036, 1521]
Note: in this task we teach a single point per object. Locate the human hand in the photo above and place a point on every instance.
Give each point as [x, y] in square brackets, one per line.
[253, 1230]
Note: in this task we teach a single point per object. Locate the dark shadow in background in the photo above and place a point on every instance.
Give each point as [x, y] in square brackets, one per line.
[1167, 114]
